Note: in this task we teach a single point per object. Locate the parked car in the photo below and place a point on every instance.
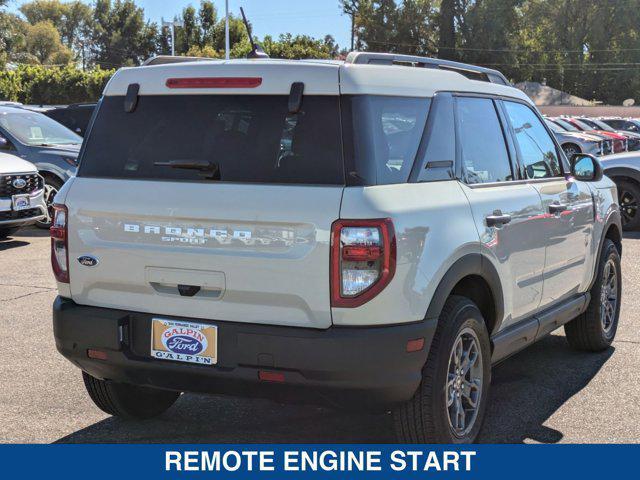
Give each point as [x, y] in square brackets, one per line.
[50, 146]
[75, 117]
[619, 141]
[607, 142]
[21, 195]
[385, 258]
[624, 170]
[625, 124]
[633, 139]
[577, 142]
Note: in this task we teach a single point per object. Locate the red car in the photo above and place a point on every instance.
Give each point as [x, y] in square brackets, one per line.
[620, 142]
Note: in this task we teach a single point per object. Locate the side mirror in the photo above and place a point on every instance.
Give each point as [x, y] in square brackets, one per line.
[586, 168]
[4, 143]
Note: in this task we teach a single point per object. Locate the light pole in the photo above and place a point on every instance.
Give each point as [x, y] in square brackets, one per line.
[226, 30]
[172, 26]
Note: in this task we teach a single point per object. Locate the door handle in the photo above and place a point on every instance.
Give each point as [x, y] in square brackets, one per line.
[497, 219]
[556, 208]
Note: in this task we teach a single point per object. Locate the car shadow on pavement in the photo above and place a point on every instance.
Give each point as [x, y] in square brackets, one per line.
[527, 389]
[10, 243]
[17, 239]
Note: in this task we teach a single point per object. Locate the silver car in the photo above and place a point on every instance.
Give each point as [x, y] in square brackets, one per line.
[578, 142]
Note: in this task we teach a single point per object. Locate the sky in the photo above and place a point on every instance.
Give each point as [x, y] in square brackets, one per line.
[316, 18]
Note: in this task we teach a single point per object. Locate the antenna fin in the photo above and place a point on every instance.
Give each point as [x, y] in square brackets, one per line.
[256, 50]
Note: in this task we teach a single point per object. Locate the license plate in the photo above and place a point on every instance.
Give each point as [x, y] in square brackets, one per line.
[21, 202]
[184, 341]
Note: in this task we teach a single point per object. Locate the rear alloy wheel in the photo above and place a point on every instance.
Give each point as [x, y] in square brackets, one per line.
[628, 198]
[464, 383]
[51, 188]
[450, 403]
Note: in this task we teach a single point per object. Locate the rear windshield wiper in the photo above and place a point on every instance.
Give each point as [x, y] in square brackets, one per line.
[208, 170]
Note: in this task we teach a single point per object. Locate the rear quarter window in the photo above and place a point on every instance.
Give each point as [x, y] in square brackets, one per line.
[382, 136]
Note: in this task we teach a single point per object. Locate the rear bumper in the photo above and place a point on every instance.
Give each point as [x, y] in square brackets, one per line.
[338, 366]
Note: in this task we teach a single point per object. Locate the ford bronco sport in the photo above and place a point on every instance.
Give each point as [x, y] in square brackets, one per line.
[372, 233]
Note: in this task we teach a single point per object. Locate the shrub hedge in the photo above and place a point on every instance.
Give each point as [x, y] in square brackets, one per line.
[40, 85]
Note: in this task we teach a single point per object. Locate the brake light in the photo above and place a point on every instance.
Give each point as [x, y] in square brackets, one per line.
[214, 82]
[59, 243]
[363, 260]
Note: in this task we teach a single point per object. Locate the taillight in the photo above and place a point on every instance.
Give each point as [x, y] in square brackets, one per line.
[363, 260]
[59, 243]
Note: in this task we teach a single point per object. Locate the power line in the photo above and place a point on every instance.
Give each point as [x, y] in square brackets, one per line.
[507, 50]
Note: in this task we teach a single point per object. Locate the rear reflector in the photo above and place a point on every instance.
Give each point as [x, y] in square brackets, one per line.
[97, 354]
[215, 82]
[415, 345]
[265, 376]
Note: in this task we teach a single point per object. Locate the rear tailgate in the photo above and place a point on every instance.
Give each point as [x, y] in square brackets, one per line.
[246, 239]
[259, 253]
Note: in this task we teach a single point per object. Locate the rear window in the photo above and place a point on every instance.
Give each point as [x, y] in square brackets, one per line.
[382, 136]
[229, 138]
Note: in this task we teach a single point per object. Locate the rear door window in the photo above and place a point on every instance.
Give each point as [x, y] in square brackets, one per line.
[483, 151]
[229, 138]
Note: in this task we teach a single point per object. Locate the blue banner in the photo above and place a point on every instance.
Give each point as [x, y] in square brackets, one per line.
[318, 461]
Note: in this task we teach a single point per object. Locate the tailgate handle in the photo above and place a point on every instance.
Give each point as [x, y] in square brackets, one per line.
[188, 290]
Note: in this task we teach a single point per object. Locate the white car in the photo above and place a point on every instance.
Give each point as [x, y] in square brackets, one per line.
[361, 233]
[21, 194]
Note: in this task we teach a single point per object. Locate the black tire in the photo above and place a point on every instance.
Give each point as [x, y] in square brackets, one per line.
[629, 201]
[52, 186]
[7, 232]
[426, 417]
[589, 332]
[128, 401]
[570, 149]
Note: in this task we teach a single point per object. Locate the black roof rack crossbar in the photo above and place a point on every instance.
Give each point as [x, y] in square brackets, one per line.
[470, 71]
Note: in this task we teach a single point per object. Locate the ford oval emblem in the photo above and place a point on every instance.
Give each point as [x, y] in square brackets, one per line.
[88, 261]
[184, 340]
[19, 183]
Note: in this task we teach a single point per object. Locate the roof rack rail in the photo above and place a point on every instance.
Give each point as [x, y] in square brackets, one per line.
[470, 71]
[165, 59]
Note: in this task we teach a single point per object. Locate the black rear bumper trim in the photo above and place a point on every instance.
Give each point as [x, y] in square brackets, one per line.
[339, 366]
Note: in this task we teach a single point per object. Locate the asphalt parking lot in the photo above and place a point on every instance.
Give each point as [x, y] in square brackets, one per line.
[547, 394]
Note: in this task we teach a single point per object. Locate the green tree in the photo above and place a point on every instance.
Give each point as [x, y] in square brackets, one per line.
[42, 41]
[12, 36]
[208, 17]
[351, 8]
[377, 25]
[121, 36]
[447, 29]
[73, 21]
[188, 35]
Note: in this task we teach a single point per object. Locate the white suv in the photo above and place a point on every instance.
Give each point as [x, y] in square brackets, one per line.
[376, 232]
[21, 195]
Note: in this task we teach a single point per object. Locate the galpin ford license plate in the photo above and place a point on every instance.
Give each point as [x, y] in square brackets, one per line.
[184, 341]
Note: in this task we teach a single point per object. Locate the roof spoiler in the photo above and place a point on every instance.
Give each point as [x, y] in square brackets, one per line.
[166, 59]
[470, 71]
